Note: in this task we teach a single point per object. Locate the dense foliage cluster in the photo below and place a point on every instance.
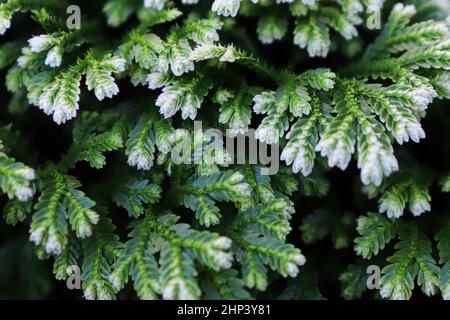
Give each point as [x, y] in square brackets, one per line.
[93, 114]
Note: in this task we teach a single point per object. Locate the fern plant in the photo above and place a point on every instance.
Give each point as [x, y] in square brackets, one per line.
[95, 114]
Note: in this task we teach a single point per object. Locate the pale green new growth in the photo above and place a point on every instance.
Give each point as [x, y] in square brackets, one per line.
[203, 226]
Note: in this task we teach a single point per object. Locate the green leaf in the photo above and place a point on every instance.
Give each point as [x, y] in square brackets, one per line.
[138, 261]
[98, 252]
[353, 281]
[60, 201]
[16, 211]
[375, 232]
[133, 195]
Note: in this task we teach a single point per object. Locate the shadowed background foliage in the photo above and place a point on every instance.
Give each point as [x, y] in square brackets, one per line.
[23, 275]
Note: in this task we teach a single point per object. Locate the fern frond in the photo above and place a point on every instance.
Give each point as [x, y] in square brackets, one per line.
[375, 232]
[60, 201]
